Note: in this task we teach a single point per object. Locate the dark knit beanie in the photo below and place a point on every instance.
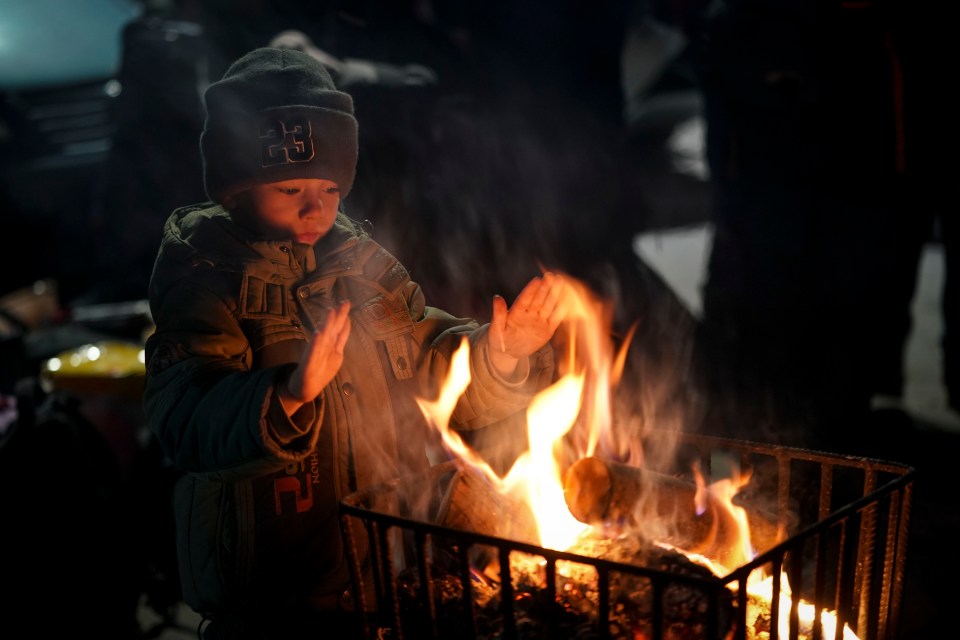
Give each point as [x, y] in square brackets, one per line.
[276, 115]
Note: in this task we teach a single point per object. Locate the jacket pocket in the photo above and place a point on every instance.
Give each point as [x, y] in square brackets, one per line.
[199, 524]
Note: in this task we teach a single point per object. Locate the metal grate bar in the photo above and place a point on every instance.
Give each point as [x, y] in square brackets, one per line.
[776, 592]
[463, 557]
[551, 589]
[603, 584]
[426, 584]
[506, 593]
[901, 560]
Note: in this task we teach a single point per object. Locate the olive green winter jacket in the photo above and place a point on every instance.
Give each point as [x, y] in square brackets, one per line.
[256, 505]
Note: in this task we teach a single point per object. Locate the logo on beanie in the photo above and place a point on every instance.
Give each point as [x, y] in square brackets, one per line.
[285, 141]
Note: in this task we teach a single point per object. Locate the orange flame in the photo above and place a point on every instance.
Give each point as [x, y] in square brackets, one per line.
[573, 416]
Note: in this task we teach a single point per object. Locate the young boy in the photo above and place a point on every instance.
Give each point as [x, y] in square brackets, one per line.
[288, 351]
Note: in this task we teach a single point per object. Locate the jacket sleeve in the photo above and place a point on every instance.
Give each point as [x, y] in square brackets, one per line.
[490, 397]
[209, 410]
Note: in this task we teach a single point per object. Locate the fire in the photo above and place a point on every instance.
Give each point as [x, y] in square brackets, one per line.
[762, 590]
[535, 476]
[572, 419]
[739, 548]
[760, 587]
[582, 393]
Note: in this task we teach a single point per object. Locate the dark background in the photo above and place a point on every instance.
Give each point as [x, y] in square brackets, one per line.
[500, 137]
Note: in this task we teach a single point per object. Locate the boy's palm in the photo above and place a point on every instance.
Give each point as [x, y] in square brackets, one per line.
[532, 320]
[323, 356]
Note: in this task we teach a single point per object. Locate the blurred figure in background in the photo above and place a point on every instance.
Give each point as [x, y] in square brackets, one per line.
[819, 147]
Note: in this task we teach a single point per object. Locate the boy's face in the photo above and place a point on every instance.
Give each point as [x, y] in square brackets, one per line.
[302, 210]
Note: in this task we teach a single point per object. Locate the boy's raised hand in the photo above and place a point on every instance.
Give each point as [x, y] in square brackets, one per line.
[528, 325]
[320, 361]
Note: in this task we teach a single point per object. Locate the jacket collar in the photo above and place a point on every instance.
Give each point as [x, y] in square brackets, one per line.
[209, 230]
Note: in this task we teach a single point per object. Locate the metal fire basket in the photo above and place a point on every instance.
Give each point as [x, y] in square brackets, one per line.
[840, 552]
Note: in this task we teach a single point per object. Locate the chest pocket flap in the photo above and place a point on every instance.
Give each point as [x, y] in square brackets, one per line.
[262, 299]
[385, 315]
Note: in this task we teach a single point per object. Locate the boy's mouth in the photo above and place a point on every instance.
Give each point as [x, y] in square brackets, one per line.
[307, 238]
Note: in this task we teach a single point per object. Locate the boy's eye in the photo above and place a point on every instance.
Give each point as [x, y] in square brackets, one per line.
[290, 191]
[333, 190]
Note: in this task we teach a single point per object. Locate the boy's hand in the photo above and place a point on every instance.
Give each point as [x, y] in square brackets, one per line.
[521, 330]
[319, 362]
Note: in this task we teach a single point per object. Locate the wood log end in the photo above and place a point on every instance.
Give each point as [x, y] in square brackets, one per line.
[587, 489]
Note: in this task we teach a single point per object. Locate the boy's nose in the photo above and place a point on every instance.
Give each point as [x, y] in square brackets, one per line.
[311, 208]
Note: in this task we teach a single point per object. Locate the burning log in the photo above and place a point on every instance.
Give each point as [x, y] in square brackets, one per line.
[599, 492]
[472, 503]
[662, 507]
